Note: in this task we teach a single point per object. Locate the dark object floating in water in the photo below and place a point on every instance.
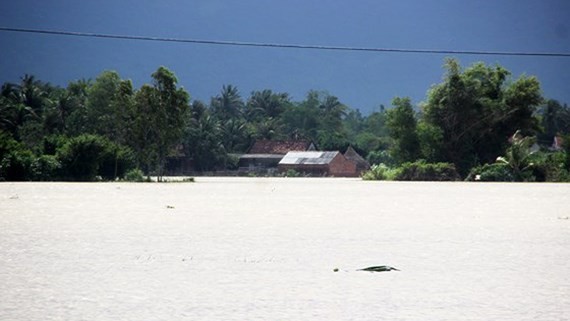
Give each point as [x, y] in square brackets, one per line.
[381, 268]
[169, 206]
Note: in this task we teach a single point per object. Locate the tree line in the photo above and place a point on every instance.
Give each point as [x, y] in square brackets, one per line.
[105, 128]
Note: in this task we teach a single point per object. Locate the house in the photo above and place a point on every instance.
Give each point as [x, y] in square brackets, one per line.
[317, 163]
[361, 164]
[266, 154]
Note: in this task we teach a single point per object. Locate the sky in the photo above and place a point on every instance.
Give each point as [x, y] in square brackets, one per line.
[361, 80]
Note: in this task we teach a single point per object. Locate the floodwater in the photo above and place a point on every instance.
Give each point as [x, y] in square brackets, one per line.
[265, 249]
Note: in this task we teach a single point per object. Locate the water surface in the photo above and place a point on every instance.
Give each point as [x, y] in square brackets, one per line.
[265, 249]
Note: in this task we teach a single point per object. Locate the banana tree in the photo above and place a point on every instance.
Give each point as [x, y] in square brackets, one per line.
[518, 157]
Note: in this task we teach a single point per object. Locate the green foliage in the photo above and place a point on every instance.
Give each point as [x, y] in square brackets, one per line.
[161, 117]
[330, 140]
[232, 162]
[401, 122]
[203, 143]
[380, 172]
[45, 168]
[134, 175]
[15, 159]
[518, 157]
[228, 104]
[416, 171]
[431, 142]
[476, 109]
[16, 164]
[302, 119]
[99, 103]
[80, 157]
[85, 157]
[319, 118]
[292, 173]
[491, 173]
[380, 157]
[555, 119]
[235, 137]
[465, 120]
[52, 143]
[19, 164]
[369, 143]
[7, 143]
[265, 104]
[115, 161]
[550, 167]
[422, 171]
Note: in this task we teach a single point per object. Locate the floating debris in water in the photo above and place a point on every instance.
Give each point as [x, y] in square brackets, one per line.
[14, 197]
[380, 268]
[563, 218]
[169, 206]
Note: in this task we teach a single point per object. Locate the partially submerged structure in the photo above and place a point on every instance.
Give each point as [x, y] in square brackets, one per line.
[361, 164]
[270, 156]
[265, 155]
[317, 163]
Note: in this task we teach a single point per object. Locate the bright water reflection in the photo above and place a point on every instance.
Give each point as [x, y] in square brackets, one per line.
[265, 249]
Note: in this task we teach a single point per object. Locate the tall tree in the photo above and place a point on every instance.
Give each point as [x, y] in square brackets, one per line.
[555, 120]
[266, 104]
[402, 124]
[99, 103]
[77, 121]
[161, 111]
[123, 119]
[476, 110]
[204, 144]
[228, 104]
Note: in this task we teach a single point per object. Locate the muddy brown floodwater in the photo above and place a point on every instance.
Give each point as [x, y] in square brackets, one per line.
[266, 248]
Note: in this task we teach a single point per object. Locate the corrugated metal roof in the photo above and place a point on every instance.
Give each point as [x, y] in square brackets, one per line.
[308, 158]
[264, 156]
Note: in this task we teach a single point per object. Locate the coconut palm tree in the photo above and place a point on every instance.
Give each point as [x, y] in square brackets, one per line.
[228, 104]
[264, 104]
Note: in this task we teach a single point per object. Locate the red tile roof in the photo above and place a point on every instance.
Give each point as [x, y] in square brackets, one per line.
[279, 147]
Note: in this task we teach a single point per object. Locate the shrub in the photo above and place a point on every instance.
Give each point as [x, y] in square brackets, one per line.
[52, 143]
[550, 167]
[292, 173]
[80, 157]
[232, 162]
[422, 171]
[92, 157]
[45, 168]
[379, 173]
[116, 160]
[14, 159]
[134, 175]
[15, 165]
[491, 173]
[380, 157]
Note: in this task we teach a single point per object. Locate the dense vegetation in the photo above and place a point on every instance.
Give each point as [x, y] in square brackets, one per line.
[106, 129]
